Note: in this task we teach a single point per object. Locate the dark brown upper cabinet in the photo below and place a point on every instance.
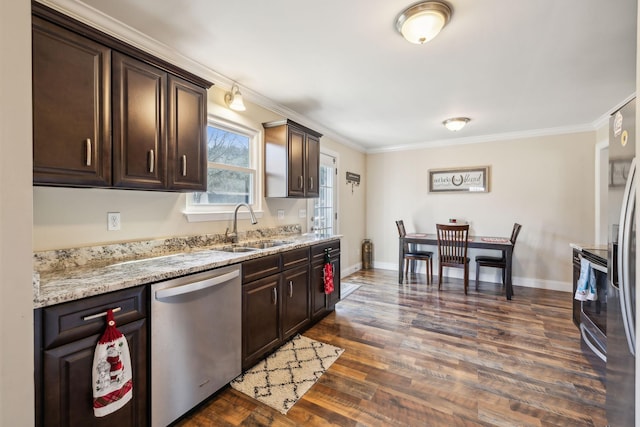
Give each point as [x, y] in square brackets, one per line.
[187, 123]
[139, 126]
[292, 160]
[71, 108]
[109, 115]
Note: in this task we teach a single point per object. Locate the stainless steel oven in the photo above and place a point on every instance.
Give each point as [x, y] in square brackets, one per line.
[593, 314]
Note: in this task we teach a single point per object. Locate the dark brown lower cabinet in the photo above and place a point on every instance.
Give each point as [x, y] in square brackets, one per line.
[295, 301]
[282, 295]
[260, 319]
[321, 303]
[65, 345]
[274, 307]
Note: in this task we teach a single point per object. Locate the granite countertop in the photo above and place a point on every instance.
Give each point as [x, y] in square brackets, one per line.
[598, 251]
[67, 275]
[586, 246]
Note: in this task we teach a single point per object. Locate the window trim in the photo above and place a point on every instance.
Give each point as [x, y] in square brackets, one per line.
[200, 213]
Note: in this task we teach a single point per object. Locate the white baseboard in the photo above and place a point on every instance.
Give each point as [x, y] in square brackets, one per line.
[350, 270]
[492, 276]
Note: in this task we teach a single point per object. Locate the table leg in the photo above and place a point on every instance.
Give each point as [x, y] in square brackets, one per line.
[401, 260]
[509, 284]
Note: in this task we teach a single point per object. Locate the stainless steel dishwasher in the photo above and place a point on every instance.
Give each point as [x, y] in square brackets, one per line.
[196, 340]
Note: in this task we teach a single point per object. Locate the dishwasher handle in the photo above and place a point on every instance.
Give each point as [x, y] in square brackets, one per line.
[196, 286]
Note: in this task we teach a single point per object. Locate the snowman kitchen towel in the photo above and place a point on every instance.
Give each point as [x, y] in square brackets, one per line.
[112, 380]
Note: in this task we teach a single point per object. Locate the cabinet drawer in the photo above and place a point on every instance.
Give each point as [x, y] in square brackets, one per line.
[295, 258]
[65, 323]
[317, 251]
[260, 267]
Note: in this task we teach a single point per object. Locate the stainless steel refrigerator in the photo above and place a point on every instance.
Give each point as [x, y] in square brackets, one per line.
[621, 290]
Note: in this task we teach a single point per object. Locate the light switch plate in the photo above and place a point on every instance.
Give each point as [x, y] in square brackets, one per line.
[302, 213]
[280, 213]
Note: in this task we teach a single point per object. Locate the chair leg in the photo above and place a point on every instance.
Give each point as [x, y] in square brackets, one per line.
[477, 275]
[429, 271]
[439, 276]
[466, 278]
[406, 270]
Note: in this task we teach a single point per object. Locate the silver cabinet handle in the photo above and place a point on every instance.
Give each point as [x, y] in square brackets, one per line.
[290, 289]
[152, 161]
[104, 313]
[88, 150]
[300, 182]
[184, 165]
[310, 183]
[275, 296]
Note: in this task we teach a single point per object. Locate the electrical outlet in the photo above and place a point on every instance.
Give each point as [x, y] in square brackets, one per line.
[280, 213]
[113, 221]
[302, 213]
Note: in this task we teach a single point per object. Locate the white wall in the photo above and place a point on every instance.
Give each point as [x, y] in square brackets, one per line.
[16, 295]
[544, 183]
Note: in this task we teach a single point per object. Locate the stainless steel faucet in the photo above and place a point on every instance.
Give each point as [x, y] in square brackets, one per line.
[234, 234]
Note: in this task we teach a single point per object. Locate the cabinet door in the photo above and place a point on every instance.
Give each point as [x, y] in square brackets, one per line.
[139, 137]
[71, 105]
[187, 136]
[296, 162]
[295, 300]
[313, 166]
[260, 319]
[334, 297]
[68, 395]
[318, 297]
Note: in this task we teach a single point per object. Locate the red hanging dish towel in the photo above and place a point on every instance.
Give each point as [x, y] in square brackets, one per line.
[112, 380]
[328, 273]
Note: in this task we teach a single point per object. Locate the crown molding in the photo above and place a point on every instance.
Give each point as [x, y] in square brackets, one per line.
[485, 138]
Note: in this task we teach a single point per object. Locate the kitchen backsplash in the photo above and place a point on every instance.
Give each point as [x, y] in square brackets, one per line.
[60, 259]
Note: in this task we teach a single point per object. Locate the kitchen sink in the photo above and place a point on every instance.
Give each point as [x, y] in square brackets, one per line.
[237, 249]
[265, 244]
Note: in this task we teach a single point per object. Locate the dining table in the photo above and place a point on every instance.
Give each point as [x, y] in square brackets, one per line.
[502, 244]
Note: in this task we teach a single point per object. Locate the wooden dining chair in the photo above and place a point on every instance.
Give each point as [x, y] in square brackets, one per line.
[497, 262]
[414, 255]
[453, 242]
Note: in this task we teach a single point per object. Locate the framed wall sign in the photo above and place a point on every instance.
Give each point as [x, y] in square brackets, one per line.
[468, 180]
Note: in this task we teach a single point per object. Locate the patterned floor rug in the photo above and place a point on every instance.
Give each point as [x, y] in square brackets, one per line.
[286, 375]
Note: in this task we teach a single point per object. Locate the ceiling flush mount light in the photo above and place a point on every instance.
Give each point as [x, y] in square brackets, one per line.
[456, 123]
[423, 21]
[234, 99]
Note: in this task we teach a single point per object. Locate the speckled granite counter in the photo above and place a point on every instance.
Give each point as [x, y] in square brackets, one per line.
[71, 274]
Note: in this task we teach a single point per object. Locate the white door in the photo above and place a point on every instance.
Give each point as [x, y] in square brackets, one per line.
[324, 217]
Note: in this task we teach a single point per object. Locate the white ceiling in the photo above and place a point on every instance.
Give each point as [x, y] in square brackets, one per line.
[515, 67]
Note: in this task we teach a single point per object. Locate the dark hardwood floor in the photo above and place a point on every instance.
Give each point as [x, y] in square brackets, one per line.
[416, 356]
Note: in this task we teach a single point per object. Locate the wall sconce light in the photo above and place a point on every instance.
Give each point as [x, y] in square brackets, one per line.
[233, 99]
[456, 123]
[423, 21]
